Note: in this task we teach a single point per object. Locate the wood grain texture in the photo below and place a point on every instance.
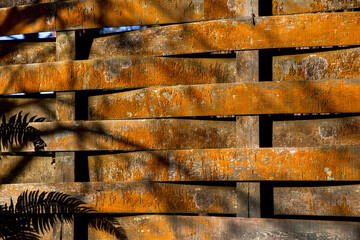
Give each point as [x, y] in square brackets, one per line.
[138, 197]
[42, 107]
[322, 132]
[235, 164]
[319, 65]
[114, 73]
[194, 228]
[304, 6]
[321, 96]
[18, 52]
[318, 201]
[134, 135]
[303, 30]
[78, 14]
[27, 169]
[14, 3]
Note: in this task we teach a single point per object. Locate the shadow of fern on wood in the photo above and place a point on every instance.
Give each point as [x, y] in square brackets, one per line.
[17, 132]
[36, 213]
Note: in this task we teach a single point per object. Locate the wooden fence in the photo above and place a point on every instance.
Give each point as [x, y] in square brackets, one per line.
[228, 119]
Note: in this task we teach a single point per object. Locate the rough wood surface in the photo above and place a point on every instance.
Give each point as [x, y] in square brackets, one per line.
[138, 197]
[134, 135]
[305, 30]
[18, 52]
[321, 96]
[14, 3]
[314, 66]
[114, 73]
[42, 107]
[194, 228]
[236, 164]
[304, 6]
[319, 201]
[26, 169]
[78, 14]
[322, 132]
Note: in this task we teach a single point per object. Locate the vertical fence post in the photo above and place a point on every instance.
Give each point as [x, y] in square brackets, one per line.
[65, 111]
[247, 127]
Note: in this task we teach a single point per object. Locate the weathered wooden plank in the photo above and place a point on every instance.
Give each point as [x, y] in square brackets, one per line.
[194, 228]
[314, 66]
[16, 52]
[25, 169]
[322, 132]
[304, 6]
[138, 197]
[321, 96]
[325, 29]
[236, 164]
[14, 3]
[134, 135]
[42, 107]
[115, 73]
[319, 201]
[78, 14]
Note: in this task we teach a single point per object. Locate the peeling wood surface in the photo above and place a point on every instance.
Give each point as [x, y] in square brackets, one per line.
[78, 14]
[195, 227]
[134, 135]
[305, 30]
[138, 197]
[25, 169]
[319, 201]
[319, 65]
[115, 73]
[236, 164]
[19, 52]
[322, 96]
[322, 132]
[304, 6]
[42, 107]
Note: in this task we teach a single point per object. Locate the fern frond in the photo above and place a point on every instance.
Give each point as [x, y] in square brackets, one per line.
[109, 225]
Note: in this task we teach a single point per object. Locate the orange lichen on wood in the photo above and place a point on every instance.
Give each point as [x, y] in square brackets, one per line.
[319, 201]
[219, 228]
[138, 197]
[134, 135]
[114, 73]
[305, 30]
[279, 164]
[321, 132]
[339, 95]
[78, 14]
[314, 66]
[304, 6]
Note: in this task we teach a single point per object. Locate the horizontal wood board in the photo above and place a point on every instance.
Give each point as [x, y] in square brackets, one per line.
[304, 30]
[280, 7]
[114, 73]
[21, 52]
[27, 169]
[133, 135]
[321, 96]
[137, 197]
[78, 14]
[195, 227]
[318, 65]
[237, 164]
[318, 201]
[320, 132]
[40, 107]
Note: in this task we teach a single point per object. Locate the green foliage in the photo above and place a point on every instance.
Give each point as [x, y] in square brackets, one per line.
[35, 213]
